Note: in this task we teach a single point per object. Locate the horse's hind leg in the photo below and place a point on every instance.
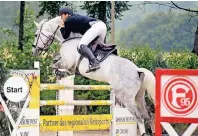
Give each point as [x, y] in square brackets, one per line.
[141, 127]
[142, 106]
[140, 100]
[150, 120]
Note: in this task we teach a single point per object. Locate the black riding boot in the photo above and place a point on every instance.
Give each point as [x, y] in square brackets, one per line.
[93, 62]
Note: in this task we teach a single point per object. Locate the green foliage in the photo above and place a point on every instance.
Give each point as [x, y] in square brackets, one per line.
[3, 119]
[145, 56]
[102, 10]
[52, 7]
[4, 131]
[29, 29]
[165, 29]
[90, 95]
[29, 26]
[14, 59]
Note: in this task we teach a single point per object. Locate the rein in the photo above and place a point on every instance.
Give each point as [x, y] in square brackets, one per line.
[46, 45]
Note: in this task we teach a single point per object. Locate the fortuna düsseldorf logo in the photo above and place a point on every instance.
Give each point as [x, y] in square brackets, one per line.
[179, 96]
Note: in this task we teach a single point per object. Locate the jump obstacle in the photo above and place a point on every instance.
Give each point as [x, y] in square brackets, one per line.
[177, 79]
[30, 123]
[66, 104]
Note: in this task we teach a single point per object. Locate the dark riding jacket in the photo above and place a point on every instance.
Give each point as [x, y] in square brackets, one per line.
[77, 24]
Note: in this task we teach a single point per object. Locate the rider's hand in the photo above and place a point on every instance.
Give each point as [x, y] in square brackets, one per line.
[62, 24]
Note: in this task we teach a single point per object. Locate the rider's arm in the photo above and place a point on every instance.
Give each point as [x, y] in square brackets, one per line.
[65, 31]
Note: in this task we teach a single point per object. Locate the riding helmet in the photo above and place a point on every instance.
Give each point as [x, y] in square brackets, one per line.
[65, 10]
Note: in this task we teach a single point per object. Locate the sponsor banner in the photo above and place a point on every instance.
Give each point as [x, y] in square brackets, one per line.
[125, 124]
[23, 86]
[29, 124]
[75, 122]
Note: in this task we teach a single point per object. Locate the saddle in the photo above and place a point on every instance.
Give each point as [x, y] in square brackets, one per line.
[100, 50]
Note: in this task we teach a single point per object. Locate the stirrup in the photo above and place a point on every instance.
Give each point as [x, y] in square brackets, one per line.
[91, 68]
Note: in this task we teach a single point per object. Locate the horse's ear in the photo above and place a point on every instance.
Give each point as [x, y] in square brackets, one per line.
[37, 25]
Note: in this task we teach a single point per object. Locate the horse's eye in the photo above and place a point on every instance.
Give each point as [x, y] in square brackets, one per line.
[35, 35]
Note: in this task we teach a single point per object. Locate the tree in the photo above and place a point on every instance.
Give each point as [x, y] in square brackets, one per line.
[99, 9]
[169, 31]
[52, 7]
[21, 25]
[171, 5]
[195, 48]
[102, 10]
[191, 13]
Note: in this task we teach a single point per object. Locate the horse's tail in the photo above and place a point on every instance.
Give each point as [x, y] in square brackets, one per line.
[148, 82]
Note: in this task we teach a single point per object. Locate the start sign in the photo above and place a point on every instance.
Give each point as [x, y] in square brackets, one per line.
[16, 88]
[176, 96]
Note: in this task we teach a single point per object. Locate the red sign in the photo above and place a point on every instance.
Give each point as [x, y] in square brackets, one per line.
[180, 96]
[176, 97]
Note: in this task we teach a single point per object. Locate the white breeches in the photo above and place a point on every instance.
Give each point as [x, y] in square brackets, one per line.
[98, 29]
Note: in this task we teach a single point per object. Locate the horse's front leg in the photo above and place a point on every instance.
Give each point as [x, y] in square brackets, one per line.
[59, 67]
[60, 74]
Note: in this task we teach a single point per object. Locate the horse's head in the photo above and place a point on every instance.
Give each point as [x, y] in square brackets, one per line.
[44, 36]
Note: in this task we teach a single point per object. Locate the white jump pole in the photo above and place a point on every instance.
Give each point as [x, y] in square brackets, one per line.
[66, 95]
[169, 129]
[113, 123]
[191, 129]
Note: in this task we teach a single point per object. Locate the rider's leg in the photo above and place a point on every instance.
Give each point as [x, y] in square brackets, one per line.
[94, 63]
[96, 30]
[104, 29]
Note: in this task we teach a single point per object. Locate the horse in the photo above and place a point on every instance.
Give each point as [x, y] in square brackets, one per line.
[129, 82]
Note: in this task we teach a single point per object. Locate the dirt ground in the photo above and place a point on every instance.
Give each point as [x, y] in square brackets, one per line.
[80, 133]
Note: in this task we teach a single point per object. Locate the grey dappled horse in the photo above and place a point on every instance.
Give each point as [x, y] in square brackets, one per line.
[127, 80]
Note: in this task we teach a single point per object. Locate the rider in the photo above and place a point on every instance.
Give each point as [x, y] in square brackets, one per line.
[89, 27]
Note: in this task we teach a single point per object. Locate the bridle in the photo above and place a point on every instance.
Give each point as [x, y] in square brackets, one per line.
[46, 45]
